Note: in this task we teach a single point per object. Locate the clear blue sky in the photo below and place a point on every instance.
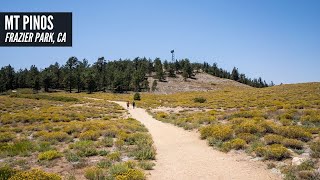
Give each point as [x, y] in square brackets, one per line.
[278, 40]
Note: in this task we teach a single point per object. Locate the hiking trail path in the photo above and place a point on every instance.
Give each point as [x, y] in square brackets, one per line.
[182, 155]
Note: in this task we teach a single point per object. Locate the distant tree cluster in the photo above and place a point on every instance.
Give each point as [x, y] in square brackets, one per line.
[115, 76]
[234, 75]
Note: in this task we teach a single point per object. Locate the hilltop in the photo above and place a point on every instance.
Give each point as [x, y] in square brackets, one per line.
[123, 76]
[200, 82]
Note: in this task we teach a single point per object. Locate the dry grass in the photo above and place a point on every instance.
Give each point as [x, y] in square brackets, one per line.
[62, 136]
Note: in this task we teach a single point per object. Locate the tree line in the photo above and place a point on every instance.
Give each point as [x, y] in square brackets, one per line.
[116, 76]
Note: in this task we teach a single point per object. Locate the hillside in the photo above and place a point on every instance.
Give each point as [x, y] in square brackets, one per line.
[121, 76]
[201, 82]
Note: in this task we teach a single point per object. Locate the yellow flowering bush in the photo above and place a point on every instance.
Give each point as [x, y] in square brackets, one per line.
[273, 139]
[6, 136]
[54, 136]
[247, 137]
[275, 152]
[131, 174]
[217, 131]
[35, 174]
[90, 135]
[294, 132]
[249, 126]
[292, 143]
[233, 144]
[49, 155]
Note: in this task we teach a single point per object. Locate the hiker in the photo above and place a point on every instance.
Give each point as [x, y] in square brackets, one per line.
[128, 103]
[133, 104]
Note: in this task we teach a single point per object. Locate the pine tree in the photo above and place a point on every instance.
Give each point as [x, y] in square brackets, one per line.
[2, 80]
[71, 66]
[9, 77]
[171, 72]
[166, 65]
[150, 67]
[159, 69]
[101, 73]
[90, 81]
[80, 70]
[34, 78]
[47, 79]
[235, 74]
[154, 85]
[187, 69]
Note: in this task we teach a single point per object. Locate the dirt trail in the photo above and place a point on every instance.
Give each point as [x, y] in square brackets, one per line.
[182, 155]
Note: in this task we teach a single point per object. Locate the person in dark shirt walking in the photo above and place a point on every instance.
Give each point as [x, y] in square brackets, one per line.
[133, 104]
[128, 103]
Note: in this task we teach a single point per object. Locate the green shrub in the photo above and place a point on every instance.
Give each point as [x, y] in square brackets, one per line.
[311, 119]
[44, 146]
[115, 156]
[131, 164]
[137, 97]
[292, 143]
[35, 174]
[94, 173]
[111, 132]
[90, 135]
[275, 151]
[107, 142]
[161, 115]
[269, 126]
[306, 170]
[144, 149]
[118, 169]
[273, 139]
[70, 129]
[6, 172]
[54, 136]
[81, 144]
[293, 132]
[6, 136]
[103, 152]
[306, 165]
[245, 114]
[71, 157]
[249, 126]
[237, 121]
[122, 135]
[49, 155]
[20, 147]
[146, 165]
[90, 151]
[233, 144]
[104, 163]
[247, 137]
[145, 153]
[313, 130]
[315, 149]
[199, 100]
[138, 137]
[286, 122]
[214, 142]
[219, 132]
[84, 148]
[119, 143]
